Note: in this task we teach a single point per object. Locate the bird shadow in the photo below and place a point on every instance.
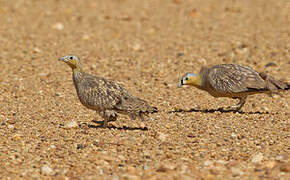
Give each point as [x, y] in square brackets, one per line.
[214, 110]
[115, 127]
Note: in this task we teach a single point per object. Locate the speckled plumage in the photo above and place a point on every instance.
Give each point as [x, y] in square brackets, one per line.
[105, 96]
[234, 81]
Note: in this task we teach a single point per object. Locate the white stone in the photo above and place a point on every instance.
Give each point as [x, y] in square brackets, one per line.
[208, 163]
[70, 125]
[47, 170]
[58, 26]
[10, 126]
[162, 136]
[257, 158]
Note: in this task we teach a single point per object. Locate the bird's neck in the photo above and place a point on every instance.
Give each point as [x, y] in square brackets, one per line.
[77, 69]
[77, 72]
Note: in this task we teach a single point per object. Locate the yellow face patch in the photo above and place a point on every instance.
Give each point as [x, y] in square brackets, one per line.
[72, 63]
[190, 79]
[71, 60]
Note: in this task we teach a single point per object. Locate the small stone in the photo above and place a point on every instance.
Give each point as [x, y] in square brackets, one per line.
[70, 125]
[16, 137]
[36, 50]
[80, 146]
[179, 54]
[43, 74]
[236, 171]
[146, 167]
[59, 26]
[114, 177]
[194, 13]
[257, 158]
[126, 18]
[136, 47]
[47, 170]
[162, 136]
[10, 126]
[131, 170]
[86, 37]
[221, 162]
[167, 84]
[282, 158]
[285, 168]
[271, 64]
[93, 66]
[270, 164]
[233, 135]
[266, 109]
[52, 146]
[208, 163]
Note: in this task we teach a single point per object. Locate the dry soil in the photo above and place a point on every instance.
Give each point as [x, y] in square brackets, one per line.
[45, 133]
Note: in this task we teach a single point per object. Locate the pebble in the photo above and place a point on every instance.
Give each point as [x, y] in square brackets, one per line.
[162, 136]
[70, 125]
[47, 170]
[285, 168]
[86, 37]
[10, 126]
[52, 146]
[115, 177]
[36, 50]
[257, 158]
[208, 163]
[270, 164]
[136, 47]
[282, 158]
[271, 64]
[236, 171]
[59, 26]
[146, 167]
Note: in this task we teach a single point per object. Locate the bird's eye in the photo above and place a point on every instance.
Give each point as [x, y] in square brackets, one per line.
[71, 58]
[186, 78]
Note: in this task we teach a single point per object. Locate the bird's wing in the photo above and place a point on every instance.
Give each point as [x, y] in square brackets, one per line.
[106, 94]
[100, 92]
[134, 104]
[231, 78]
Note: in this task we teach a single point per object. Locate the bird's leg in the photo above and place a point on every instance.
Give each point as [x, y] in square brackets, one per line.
[112, 115]
[108, 116]
[132, 116]
[140, 116]
[237, 107]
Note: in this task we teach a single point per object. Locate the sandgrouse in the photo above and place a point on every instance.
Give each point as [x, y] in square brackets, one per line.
[106, 97]
[233, 81]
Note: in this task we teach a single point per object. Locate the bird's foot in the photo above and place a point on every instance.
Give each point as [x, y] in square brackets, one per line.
[234, 108]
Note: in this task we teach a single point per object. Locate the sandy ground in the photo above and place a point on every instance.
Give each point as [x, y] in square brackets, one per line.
[45, 133]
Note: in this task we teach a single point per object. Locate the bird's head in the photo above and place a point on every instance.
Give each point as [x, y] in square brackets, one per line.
[189, 79]
[72, 60]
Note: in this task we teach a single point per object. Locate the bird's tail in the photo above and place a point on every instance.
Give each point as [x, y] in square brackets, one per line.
[143, 106]
[273, 84]
[137, 105]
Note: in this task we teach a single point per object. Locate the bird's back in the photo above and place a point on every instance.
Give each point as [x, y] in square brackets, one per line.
[96, 92]
[99, 93]
[232, 80]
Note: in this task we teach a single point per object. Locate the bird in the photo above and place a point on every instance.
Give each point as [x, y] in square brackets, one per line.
[233, 81]
[105, 96]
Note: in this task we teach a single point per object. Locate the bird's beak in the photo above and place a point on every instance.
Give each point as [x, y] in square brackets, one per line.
[180, 83]
[61, 59]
